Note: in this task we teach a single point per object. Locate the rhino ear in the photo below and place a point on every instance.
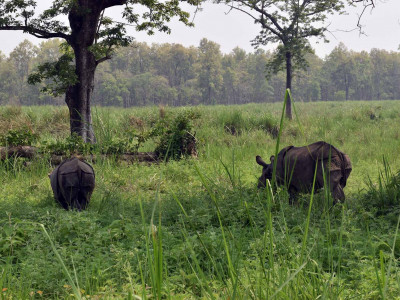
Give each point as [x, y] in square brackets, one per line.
[272, 158]
[260, 161]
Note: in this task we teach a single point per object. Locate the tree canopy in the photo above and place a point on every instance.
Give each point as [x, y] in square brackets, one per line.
[290, 24]
[174, 75]
[90, 38]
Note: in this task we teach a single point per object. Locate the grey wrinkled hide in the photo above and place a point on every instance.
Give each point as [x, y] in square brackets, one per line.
[295, 167]
[73, 182]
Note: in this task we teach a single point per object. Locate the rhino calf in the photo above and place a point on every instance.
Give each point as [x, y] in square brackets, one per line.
[295, 167]
[73, 182]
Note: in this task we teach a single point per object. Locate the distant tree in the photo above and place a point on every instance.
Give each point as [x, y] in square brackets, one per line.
[362, 84]
[262, 90]
[136, 58]
[234, 79]
[21, 56]
[378, 58]
[290, 23]
[342, 72]
[48, 51]
[210, 71]
[175, 62]
[91, 36]
[306, 82]
[8, 79]
[149, 89]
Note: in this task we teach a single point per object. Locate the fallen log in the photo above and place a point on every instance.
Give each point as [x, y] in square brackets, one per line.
[18, 151]
[149, 157]
[32, 152]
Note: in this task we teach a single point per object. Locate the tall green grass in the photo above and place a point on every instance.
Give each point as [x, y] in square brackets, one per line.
[199, 228]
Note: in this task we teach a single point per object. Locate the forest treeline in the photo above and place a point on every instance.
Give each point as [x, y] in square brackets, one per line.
[171, 74]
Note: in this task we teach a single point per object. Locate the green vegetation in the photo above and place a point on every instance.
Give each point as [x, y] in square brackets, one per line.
[174, 75]
[198, 228]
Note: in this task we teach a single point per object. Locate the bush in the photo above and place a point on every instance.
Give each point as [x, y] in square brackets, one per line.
[120, 146]
[235, 123]
[176, 139]
[384, 195]
[75, 144]
[18, 137]
[72, 144]
[267, 124]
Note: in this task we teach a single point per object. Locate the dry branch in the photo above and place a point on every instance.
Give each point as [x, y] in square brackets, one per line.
[31, 152]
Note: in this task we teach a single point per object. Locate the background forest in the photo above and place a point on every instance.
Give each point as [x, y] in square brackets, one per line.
[171, 74]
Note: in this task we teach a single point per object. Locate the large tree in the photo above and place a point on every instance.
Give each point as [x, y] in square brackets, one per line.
[90, 39]
[290, 23]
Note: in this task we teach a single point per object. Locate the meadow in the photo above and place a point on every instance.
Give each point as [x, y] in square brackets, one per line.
[198, 228]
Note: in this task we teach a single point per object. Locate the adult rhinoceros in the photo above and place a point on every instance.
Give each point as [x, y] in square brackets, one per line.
[73, 182]
[296, 166]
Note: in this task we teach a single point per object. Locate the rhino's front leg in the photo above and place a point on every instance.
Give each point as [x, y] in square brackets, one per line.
[292, 196]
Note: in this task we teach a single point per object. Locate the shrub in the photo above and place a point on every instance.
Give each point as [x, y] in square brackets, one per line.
[176, 139]
[267, 124]
[72, 144]
[384, 195]
[120, 146]
[235, 123]
[18, 137]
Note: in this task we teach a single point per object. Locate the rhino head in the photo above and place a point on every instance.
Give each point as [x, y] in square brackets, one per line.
[266, 172]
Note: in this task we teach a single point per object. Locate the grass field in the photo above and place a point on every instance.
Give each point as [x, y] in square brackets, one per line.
[198, 228]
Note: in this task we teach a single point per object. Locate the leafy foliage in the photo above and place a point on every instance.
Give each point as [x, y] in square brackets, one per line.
[18, 137]
[384, 196]
[141, 75]
[72, 144]
[278, 61]
[61, 73]
[20, 15]
[290, 23]
[176, 139]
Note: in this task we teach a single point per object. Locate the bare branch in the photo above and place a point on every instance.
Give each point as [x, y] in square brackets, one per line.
[367, 3]
[99, 61]
[106, 57]
[39, 33]
[261, 20]
[110, 3]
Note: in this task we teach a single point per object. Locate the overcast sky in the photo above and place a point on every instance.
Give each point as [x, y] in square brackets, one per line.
[382, 28]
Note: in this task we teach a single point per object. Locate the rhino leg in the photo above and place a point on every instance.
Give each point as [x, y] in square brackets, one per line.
[60, 199]
[292, 196]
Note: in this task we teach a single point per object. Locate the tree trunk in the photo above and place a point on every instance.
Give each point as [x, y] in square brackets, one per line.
[289, 84]
[209, 95]
[84, 22]
[346, 83]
